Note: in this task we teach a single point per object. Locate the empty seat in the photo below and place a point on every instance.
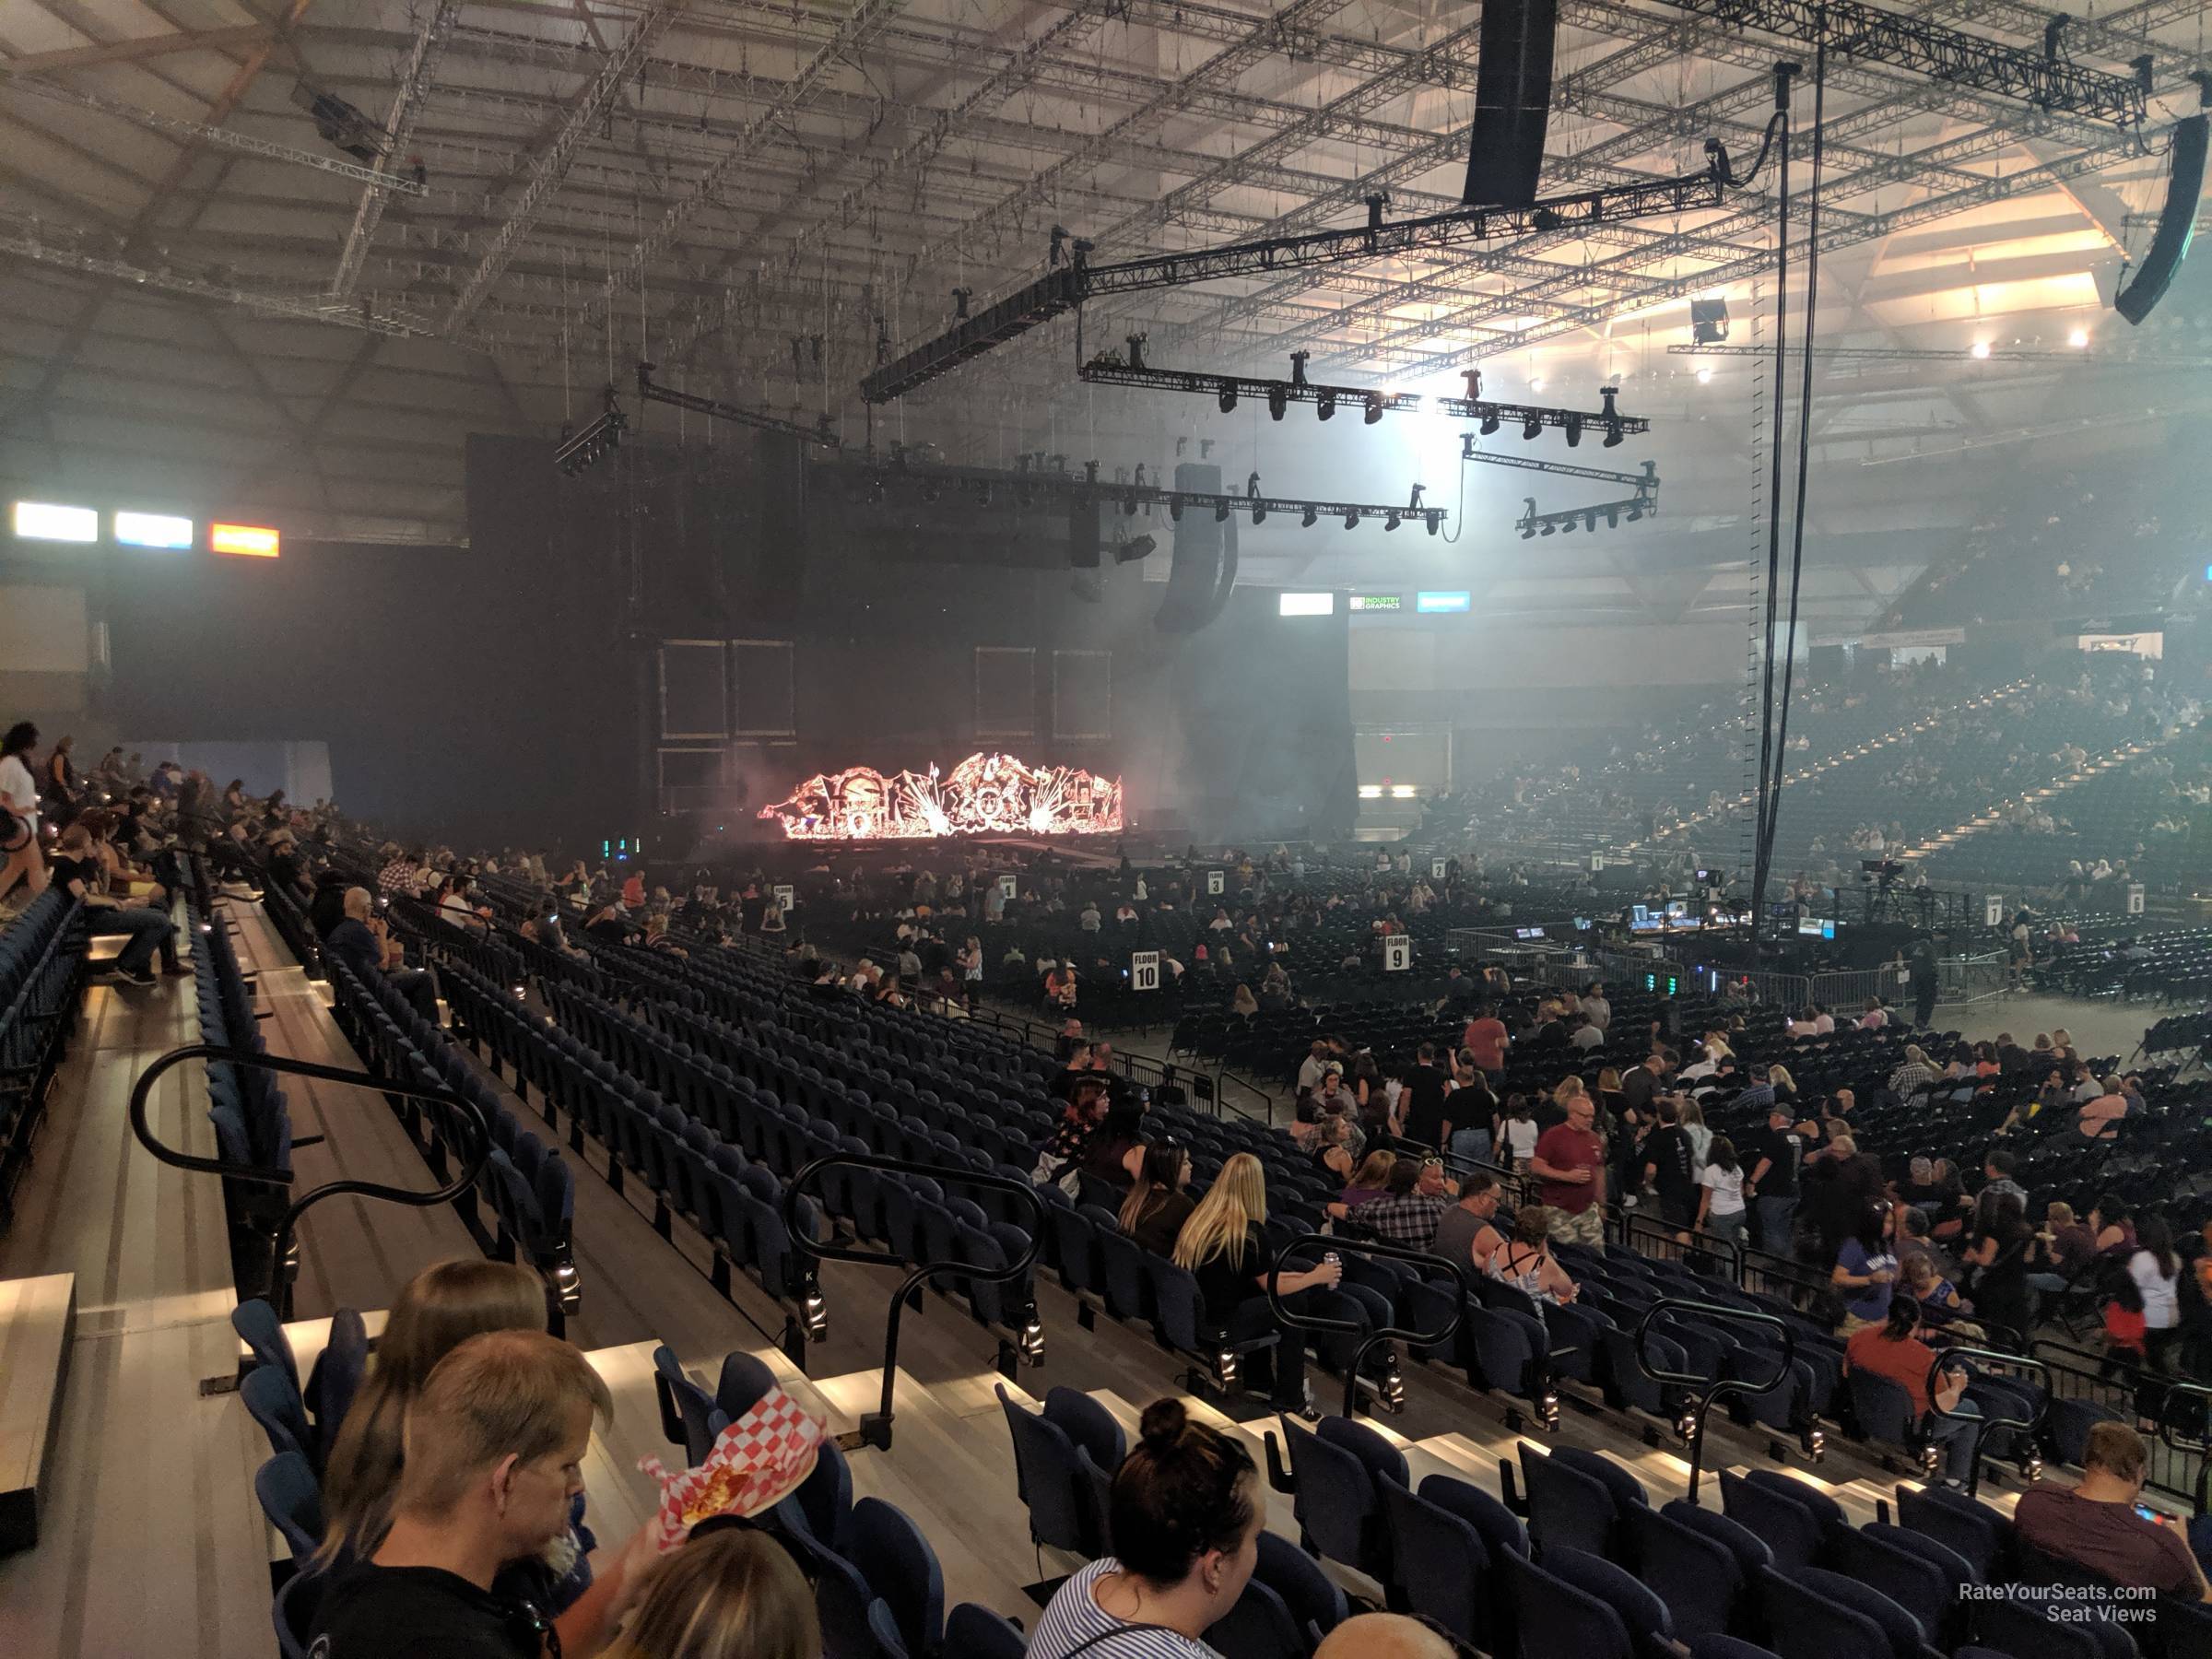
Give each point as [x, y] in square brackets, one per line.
[972, 1631]
[337, 1376]
[903, 1569]
[275, 1403]
[1558, 1620]
[1440, 1563]
[1048, 1478]
[293, 1502]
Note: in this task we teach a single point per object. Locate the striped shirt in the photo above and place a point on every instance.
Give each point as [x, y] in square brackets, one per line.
[1073, 1618]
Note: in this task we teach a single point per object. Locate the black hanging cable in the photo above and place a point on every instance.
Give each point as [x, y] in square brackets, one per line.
[1783, 74]
[1805, 446]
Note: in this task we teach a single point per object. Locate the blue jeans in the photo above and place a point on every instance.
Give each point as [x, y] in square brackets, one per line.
[150, 931]
[1959, 1436]
[1775, 1215]
[1471, 1144]
[1729, 1226]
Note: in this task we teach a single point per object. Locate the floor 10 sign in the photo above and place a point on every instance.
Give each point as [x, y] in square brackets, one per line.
[1144, 970]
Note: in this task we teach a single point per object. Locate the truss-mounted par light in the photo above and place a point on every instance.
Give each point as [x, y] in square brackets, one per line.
[1175, 510]
[1434, 519]
[1573, 425]
[1229, 396]
[1220, 513]
[1533, 426]
[1279, 400]
[1311, 519]
[1351, 519]
[1390, 520]
[1489, 423]
[1258, 513]
[1614, 433]
[1374, 407]
[1324, 405]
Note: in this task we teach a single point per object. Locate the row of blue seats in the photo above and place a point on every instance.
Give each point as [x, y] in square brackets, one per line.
[42, 958]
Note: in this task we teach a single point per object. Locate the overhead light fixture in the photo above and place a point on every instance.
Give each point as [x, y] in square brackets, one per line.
[1278, 401]
[1258, 513]
[1374, 407]
[1536, 383]
[1390, 520]
[160, 530]
[1590, 521]
[1135, 549]
[1311, 516]
[1351, 519]
[1573, 425]
[1489, 423]
[1978, 351]
[1220, 511]
[1708, 321]
[1614, 432]
[1175, 509]
[1704, 374]
[1324, 405]
[1532, 426]
[2079, 338]
[1436, 521]
[248, 541]
[48, 521]
[1549, 527]
[1228, 395]
[1528, 532]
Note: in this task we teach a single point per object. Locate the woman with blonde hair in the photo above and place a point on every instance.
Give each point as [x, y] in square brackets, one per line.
[1222, 1247]
[1570, 1088]
[1369, 1181]
[731, 1593]
[434, 1313]
[1244, 1002]
[1783, 1084]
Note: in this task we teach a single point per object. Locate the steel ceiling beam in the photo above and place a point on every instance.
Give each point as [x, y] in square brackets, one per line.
[553, 165]
[399, 127]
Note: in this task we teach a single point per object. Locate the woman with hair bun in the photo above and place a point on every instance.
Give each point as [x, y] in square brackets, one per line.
[1186, 1514]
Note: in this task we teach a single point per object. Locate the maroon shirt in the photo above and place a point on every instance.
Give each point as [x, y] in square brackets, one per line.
[1565, 1147]
[2109, 1538]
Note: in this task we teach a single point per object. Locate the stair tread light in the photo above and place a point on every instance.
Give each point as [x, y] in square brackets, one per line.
[48, 520]
[249, 541]
[164, 530]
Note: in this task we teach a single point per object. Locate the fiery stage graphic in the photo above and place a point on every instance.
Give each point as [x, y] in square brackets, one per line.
[985, 794]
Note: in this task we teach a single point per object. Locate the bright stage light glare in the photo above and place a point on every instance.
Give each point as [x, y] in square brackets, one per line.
[1978, 350]
[46, 520]
[1705, 375]
[2079, 338]
[251, 541]
[161, 530]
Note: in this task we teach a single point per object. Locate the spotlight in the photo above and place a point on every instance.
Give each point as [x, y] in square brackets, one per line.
[1708, 321]
[2079, 338]
[1351, 519]
[1310, 518]
[1528, 532]
[1613, 434]
[1532, 425]
[1258, 513]
[1390, 520]
[1436, 521]
[1489, 423]
[1135, 549]
[1175, 508]
[1978, 351]
[1573, 424]
[1278, 401]
[1324, 405]
[1704, 374]
[1635, 511]
[1590, 521]
[1612, 518]
[1220, 511]
[1549, 527]
[1374, 407]
[1228, 395]
[1536, 383]
[1567, 526]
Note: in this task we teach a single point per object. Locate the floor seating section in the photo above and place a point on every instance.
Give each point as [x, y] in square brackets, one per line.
[42, 966]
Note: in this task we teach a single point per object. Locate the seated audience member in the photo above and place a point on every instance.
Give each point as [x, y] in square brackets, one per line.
[1466, 1235]
[326, 909]
[362, 943]
[2095, 1526]
[2099, 1115]
[732, 1591]
[77, 870]
[2073, 1246]
[1384, 1636]
[1892, 1349]
[1938, 1297]
[1117, 1151]
[495, 1446]
[1186, 1514]
[1157, 1207]
[1415, 1200]
[1526, 1260]
[1222, 1247]
[1079, 1125]
[1368, 1183]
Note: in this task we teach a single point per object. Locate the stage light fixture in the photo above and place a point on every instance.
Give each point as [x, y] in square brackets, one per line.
[1978, 350]
[1567, 526]
[1705, 375]
[1351, 519]
[1533, 426]
[1435, 521]
[250, 541]
[1278, 401]
[1220, 513]
[1573, 425]
[1312, 516]
[1536, 383]
[1258, 513]
[1549, 528]
[2079, 338]
[1590, 523]
[46, 520]
[1489, 423]
[1324, 405]
[1128, 506]
[1528, 532]
[1374, 407]
[1708, 321]
[161, 530]
[1635, 511]
[1175, 510]
[1228, 395]
[1390, 520]
[1135, 549]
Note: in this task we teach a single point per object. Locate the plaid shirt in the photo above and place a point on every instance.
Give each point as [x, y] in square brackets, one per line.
[398, 876]
[1409, 1218]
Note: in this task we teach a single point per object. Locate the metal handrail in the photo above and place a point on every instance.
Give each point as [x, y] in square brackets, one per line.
[1714, 1389]
[876, 1429]
[2201, 1447]
[1394, 1388]
[271, 1176]
[1731, 1251]
[1950, 1357]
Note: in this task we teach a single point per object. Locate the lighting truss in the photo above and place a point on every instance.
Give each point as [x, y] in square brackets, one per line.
[1908, 354]
[1111, 369]
[716, 410]
[1067, 286]
[1028, 484]
[2043, 78]
[1565, 469]
[601, 438]
[200, 131]
[1643, 501]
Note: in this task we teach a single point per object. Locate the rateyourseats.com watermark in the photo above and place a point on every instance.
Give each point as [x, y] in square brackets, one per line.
[2073, 1604]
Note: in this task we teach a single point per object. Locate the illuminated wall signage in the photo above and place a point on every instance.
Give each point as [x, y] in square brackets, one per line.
[985, 794]
[161, 530]
[1431, 604]
[1377, 602]
[250, 541]
[1306, 605]
[46, 520]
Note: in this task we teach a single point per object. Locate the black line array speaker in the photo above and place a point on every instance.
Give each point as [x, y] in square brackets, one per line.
[2177, 223]
[1205, 557]
[1513, 101]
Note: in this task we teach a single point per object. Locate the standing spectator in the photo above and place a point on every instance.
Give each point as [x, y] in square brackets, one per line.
[2156, 1271]
[1185, 1512]
[1426, 1118]
[1891, 1348]
[21, 859]
[58, 781]
[2095, 1526]
[1997, 1260]
[1568, 1164]
[1776, 1156]
[1866, 1272]
[1721, 1210]
[1487, 1039]
[1670, 1167]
